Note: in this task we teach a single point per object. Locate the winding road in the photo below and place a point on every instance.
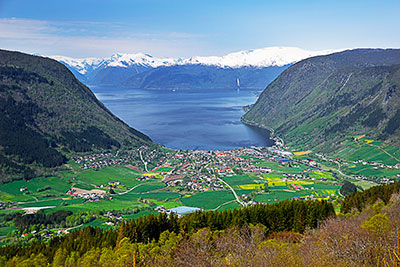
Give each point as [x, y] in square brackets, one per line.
[144, 162]
[123, 193]
[233, 191]
[230, 201]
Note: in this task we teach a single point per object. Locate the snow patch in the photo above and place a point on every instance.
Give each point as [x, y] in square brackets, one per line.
[264, 57]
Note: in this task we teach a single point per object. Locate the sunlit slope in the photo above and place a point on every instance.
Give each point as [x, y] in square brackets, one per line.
[321, 100]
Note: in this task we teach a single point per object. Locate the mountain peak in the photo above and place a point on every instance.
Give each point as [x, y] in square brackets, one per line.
[259, 58]
[263, 57]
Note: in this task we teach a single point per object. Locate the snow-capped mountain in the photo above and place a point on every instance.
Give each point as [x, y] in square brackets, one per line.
[83, 65]
[133, 70]
[260, 58]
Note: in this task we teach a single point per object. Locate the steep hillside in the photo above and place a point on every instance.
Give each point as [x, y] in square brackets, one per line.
[46, 112]
[321, 100]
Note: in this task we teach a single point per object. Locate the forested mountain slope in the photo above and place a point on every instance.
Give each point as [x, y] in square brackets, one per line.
[45, 110]
[321, 100]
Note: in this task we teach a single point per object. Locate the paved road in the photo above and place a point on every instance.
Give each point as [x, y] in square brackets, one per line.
[144, 162]
[339, 171]
[68, 229]
[233, 191]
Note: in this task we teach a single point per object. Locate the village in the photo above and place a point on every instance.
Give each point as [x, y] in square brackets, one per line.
[194, 170]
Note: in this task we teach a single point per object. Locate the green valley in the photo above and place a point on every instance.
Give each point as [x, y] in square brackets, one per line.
[94, 172]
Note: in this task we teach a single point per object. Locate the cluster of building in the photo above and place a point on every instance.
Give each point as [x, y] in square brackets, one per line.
[45, 233]
[90, 195]
[112, 219]
[376, 164]
[109, 185]
[201, 184]
[197, 170]
[92, 157]
[138, 156]
[103, 163]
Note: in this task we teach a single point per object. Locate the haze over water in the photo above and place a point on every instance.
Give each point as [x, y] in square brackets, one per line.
[187, 119]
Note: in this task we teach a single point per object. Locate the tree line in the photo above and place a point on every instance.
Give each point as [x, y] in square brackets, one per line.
[360, 200]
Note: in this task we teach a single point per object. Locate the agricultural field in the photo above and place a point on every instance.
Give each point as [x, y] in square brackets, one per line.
[139, 214]
[37, 188]
[118, 173]
[322, 175]
[51, 191]
[252, 186]
[363, 184]
[371, 153]
[191, 181]
[369, 150]
[162, 169]
[146, 187]
[208, 200]
[230, 205]
[368, 170]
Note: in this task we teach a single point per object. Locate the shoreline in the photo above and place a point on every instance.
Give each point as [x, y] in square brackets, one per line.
[278, 141]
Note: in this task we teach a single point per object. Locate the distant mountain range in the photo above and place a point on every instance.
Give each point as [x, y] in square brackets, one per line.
[254, 68]
[320, 101]
[46, 113]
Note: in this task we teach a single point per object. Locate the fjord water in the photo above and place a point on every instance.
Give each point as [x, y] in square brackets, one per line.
[187, 119]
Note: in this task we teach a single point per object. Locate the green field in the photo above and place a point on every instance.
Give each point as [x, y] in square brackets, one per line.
[169, 204]
[5, 230]
[151, 193]
[231, 205]
[319, 175]
[163, 169]
[208, 200]
[139, 214]
[160, 195]
[370, 153]
[363, 184]
[368, 170]
[103, 176]
[148, 187]
[353, 151]
[115, 204]
[56, 184]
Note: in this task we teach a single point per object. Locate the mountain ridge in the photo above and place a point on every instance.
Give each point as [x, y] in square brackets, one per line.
[263, 57]
[121, 68]
[46, 113]
[321, 100]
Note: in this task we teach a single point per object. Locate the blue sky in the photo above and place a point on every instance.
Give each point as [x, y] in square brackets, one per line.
[97, 28]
